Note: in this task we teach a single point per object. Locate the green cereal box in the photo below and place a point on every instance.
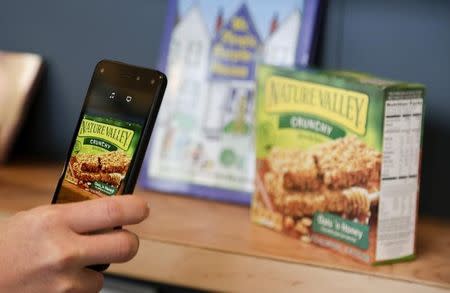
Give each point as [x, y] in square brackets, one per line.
[338, 157]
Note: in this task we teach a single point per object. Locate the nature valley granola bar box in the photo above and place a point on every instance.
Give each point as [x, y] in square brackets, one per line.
[338, 157]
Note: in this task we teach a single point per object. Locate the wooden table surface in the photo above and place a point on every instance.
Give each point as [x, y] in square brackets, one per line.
[213, 246]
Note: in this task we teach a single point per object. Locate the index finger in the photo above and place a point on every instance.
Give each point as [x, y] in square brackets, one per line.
[98, 214]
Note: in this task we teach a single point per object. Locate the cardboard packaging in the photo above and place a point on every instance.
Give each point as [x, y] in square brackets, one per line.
[203, 142]
[338, 157]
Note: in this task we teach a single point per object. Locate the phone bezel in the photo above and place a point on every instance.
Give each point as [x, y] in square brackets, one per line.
[123, 75]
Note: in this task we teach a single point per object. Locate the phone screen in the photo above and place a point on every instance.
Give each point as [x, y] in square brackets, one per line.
[108, 134]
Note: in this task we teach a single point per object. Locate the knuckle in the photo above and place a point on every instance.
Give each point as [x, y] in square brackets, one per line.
[46, 212]
[127, 245]
[45, 218]
[114, 211]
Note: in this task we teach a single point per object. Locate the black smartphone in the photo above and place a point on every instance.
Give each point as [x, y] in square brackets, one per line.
[112, 133]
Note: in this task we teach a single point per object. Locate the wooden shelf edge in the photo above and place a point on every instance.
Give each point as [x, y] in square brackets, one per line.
[216, 270]
[239, 247]
[287, 260]
[161, 253]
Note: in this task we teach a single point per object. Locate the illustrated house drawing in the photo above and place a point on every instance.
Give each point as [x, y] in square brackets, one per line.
[281, 45]
[187, 68]
[228, 95]
[188, 62]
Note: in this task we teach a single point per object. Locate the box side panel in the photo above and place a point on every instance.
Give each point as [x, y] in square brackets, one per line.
[399, 174]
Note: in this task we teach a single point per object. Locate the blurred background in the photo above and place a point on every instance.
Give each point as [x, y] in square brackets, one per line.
[405, 40]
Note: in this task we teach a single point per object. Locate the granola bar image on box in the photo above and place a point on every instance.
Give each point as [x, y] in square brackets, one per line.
[113, 179]
[297, 167]
[114, 162]
[110, 169]
[293, 203]
[88, 162]
[351, 203]
[348, 162]
[334, 177]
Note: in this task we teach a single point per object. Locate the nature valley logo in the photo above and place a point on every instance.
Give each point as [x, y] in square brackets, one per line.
[121, 137]
[347, 108]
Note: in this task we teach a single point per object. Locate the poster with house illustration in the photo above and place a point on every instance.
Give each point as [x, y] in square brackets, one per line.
[203, 141]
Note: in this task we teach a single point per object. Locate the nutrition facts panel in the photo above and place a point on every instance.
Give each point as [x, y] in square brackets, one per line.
[399, 175]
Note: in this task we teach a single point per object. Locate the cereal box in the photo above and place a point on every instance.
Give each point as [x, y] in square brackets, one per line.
[338, 157]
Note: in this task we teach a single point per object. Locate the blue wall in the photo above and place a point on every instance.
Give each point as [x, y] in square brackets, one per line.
[407, 40]
[73, 36]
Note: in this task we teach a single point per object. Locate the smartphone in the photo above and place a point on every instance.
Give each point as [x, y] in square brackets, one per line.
[112, 133]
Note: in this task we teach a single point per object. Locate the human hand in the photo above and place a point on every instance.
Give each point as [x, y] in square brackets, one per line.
[48, 248]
